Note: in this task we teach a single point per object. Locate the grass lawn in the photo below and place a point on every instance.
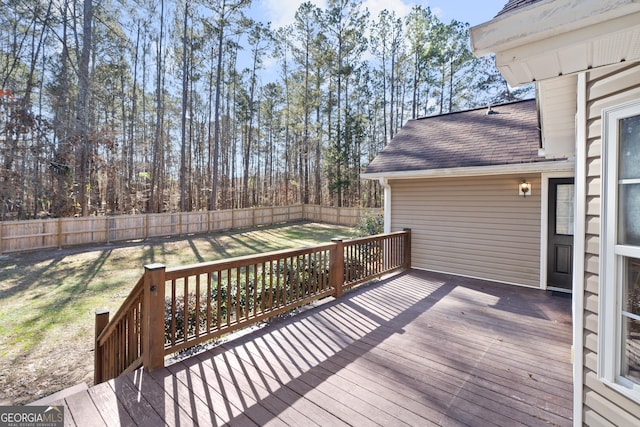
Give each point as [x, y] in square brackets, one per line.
[48, 298]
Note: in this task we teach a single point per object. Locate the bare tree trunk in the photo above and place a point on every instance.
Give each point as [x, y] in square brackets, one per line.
[211, 198]
[132, 125]
[216, 132]
[185, 88]
[83, 106]
[155, 195]
[318, 163]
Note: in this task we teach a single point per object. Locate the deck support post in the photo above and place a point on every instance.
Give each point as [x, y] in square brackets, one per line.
[153, 317]
[407, 249]
[337, 267]
[102, 320]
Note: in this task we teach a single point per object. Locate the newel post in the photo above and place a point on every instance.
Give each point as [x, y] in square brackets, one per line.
[102, 320]
[153, 317]
[407, 248]
[337, 267]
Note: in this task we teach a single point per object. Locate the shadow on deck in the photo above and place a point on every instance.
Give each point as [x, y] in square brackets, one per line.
[418, 348]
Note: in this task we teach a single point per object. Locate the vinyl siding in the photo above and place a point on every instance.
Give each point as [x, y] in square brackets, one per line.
[478, 226]
[607, 87]
[558, 127]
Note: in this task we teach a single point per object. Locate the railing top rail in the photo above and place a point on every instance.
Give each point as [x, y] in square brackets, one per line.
[124, 308]
[243, 261]
[375, 237]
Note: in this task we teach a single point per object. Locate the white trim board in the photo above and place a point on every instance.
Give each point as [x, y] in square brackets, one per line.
[537, 167]
[579, 250]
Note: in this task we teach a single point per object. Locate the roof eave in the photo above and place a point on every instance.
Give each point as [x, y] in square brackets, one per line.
[534, 167]
[542, 20]
[547, 39]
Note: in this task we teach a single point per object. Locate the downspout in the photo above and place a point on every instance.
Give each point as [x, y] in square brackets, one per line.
[384, 182]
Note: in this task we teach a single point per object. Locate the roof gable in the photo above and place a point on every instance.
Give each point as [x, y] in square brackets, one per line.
[474, 138]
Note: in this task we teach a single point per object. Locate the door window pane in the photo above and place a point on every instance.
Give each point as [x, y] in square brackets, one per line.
[629, 160]
[564, 209]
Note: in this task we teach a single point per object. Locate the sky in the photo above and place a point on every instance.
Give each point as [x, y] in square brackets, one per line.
[281, 12]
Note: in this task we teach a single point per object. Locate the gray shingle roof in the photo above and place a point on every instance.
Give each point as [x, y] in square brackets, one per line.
[464, 139]
[516, 4]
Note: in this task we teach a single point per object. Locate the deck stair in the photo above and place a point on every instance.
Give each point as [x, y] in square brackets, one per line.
[59, 395]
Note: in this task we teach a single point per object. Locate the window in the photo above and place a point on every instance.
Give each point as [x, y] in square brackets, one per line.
[564, 209]
[619, 351]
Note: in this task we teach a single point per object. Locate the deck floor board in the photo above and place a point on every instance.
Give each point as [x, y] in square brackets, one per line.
[416, 349]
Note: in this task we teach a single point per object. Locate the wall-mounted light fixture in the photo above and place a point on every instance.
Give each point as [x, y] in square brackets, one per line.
[524, 188]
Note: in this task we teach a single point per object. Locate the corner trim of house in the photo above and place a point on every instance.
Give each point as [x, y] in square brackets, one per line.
[384, 182]
[544, 224]
[579, 250]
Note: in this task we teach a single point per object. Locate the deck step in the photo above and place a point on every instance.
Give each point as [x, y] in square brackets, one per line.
[59, 395]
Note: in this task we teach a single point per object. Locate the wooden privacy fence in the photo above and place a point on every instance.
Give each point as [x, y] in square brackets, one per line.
[172, 309]
[21, 236]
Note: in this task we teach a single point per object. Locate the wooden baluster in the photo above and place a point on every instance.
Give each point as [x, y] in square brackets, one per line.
[209, 309]
[197, 326]
[229, 306]
[174, 311]
[185, 308]
[219, 300]
[238, 296]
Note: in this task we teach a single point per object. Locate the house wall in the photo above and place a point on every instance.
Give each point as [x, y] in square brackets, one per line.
[472, 226]
[604, 88]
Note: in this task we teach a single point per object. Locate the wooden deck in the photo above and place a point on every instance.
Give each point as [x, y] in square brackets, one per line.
[416, 349]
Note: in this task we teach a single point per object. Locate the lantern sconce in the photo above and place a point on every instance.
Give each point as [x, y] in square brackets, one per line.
[524, 188]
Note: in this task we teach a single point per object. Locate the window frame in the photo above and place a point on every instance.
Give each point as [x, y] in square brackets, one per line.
[612, 255]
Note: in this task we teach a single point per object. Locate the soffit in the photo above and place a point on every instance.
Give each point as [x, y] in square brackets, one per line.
[553, 38]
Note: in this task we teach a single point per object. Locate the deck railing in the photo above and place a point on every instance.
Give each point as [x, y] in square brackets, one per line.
[118, 346]
[177, 308]
[208, 300]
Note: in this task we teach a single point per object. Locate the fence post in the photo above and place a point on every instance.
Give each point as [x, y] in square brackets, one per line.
[337, 267]
[102, 320]
[407, 249]
[59, 233]
[153, 317]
